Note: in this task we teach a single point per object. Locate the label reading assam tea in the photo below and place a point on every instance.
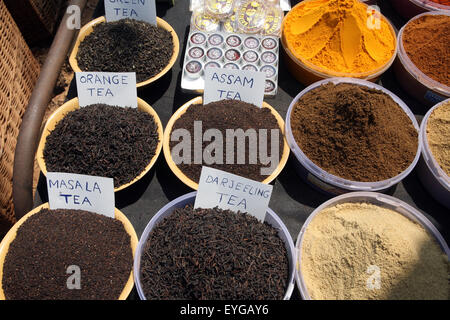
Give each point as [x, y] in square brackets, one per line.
[81, 192]
[231, 192]
[143, 10]
[231, 84]
[111, 88]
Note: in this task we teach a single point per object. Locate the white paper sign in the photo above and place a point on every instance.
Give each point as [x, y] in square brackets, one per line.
[111, 88]
[81, 192]
[229, 191]
[144, 10]
[230, 84]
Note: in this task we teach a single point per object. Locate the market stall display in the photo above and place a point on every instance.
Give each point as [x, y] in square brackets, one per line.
[358, 132]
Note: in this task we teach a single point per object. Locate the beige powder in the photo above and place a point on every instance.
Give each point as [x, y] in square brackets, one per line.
[438, 134]
[343, 241]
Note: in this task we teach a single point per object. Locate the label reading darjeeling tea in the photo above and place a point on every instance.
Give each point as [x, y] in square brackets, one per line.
[143, 10]
[111, 88]
[231, 192]
[81, 192]
[231, 84]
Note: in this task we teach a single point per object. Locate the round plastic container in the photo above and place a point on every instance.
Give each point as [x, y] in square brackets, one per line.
[420, 86]
[271, 218]
[11, 235]
[331, 184]
[89, 27]
[307, 73]
[72, 105]
[194, 185]
[410, 8]
[378, 199]
[434, 179]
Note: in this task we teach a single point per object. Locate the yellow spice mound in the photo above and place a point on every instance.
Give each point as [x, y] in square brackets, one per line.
[339, 36]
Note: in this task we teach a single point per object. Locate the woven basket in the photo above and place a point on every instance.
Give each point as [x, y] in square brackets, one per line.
[37, 19]
[18, 74]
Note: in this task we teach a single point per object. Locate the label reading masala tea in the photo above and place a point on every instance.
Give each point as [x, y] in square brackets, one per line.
[81, 192]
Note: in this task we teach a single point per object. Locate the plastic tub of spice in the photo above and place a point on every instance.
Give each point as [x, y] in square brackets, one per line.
[411, 8]
[189, 180]
[310, 36]
[87, 220]
[366, 236]
[342, 146]
[421, 67]
[72, 105]
[168, 210]
[142, 80]
[434, 165]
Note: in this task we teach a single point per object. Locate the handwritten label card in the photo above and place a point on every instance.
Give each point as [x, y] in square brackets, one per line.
[112, 88]
[230, 84]
[144, 10]
[81, 192]
[229, 191]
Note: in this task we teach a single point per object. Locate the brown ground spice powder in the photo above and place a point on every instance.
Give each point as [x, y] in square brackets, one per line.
[438, 135]
[427, 43]
[354, 132]
[345, 244]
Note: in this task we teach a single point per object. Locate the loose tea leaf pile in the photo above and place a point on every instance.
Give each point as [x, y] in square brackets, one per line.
[52, 240]
[230, 114]
[213, 254]
[126, 45]
[354, 132]
[102, 140]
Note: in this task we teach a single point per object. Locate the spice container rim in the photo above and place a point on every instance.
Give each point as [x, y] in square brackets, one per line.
[325, 73]
[72, 105]
[189, 198]
[89, 27]
[411, 68]
[375, 198]
[12, 233]
[430, 161]
[336, 181]
[199, 100]
[431, 5]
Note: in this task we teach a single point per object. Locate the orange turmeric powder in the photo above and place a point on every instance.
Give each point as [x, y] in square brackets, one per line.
[339, 36]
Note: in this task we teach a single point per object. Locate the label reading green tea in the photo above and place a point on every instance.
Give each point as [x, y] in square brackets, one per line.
[144, 10]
